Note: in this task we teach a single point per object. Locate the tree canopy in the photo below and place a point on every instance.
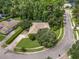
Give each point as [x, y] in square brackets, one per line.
[46, 38]
[33, 9]
[36, 10]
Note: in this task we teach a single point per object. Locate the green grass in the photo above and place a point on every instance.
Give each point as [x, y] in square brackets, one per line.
[18, 30]
[78, 32]
[1, 37]
[27, 43]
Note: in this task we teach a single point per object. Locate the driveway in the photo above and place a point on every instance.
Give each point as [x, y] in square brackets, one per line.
[61, 48]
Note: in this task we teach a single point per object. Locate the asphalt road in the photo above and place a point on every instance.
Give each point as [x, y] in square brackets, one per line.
[61, 48]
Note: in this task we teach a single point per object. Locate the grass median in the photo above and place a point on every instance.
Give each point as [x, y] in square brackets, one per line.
[28, 45]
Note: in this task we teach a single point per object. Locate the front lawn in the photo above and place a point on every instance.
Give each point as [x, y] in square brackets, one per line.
[27, 43]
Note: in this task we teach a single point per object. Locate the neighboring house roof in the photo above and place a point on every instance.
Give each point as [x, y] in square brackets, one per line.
[37, 26]
[6, 26]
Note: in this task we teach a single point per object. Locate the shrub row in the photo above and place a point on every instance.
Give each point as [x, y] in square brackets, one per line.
[17, 32]
[28, 49]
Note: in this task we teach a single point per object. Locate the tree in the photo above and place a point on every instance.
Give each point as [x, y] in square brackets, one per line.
[46, 38]
[74, 51]
[32, 37]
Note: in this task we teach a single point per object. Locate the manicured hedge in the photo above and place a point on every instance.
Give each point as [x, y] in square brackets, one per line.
[1, 37]
[17, 32]
[29, 49]
[61, 33]
[75, 35]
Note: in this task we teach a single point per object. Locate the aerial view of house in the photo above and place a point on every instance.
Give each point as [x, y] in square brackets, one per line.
[39, 29]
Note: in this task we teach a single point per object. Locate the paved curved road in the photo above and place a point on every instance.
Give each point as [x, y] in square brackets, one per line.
[62, 47]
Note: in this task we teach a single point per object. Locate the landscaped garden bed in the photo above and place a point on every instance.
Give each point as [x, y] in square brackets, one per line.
[59, 32]
[75, 30]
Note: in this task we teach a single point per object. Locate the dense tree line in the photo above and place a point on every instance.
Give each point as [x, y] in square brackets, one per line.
[36, 10]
